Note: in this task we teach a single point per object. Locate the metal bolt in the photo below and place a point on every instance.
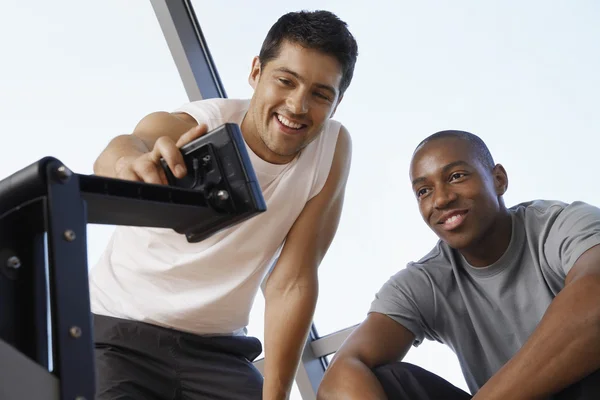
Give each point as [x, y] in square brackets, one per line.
[69, 235]
[222, 195]
[206, 159]
[13, 262]
[63, 173]
[75, 332]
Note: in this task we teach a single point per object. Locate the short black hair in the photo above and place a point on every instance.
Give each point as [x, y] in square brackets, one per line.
[319, 30]
[477, 144]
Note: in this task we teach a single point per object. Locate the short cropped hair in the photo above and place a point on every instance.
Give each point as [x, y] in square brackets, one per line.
[477, 144]
[318, 30]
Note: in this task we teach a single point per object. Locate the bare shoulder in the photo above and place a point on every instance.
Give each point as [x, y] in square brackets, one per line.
[344, 143]
[163, 119]
[342, 159]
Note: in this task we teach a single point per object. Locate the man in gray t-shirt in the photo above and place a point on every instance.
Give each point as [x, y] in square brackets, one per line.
[514, 292]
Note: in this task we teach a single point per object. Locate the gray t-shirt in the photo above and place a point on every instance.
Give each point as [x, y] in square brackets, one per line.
[486, 314]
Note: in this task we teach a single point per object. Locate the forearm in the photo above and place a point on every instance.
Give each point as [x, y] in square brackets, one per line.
[288, 317]
[348, 378]
[561, 351]
[120, 148]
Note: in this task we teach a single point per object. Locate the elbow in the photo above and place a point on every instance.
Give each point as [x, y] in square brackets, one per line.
[348, 377]
[331, 387]
[326, 389]
[101, 166]
[104, 165]
[305, 286]
[97, 167]
[324, 394]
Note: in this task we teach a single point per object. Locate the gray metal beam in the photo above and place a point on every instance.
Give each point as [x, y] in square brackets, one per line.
[189, 49]
[310, 371]
[321, 347]
[329, 344]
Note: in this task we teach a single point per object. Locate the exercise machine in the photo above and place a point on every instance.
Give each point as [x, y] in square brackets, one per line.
[46, 337]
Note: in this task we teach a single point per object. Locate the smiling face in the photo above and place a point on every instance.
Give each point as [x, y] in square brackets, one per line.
[458, 196]
[294, 96]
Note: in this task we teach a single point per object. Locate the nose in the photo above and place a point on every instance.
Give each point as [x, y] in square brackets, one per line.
[443, 196]
[297, 102]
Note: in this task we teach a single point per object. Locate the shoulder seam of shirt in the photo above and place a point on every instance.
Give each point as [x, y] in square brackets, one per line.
[538, 207]
[435, 252]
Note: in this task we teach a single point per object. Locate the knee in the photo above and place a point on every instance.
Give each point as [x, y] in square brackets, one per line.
[395, 369]
[587, 388]
[398, 374]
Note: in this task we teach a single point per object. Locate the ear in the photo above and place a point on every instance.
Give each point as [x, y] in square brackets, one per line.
[254, 72]
[500, 179]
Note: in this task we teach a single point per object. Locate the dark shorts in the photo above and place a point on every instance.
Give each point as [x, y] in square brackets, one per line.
[404, 381]
[139, 361]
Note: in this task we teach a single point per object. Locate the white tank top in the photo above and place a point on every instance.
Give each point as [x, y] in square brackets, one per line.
[155, 276]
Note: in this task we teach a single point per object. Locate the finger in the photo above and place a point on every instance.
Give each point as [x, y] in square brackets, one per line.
[128, 174]
[148, 171]
[165, 148]
[162, 175]
[192, 134]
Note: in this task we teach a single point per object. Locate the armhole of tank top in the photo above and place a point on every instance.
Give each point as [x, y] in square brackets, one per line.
[211, 114]
[201, 114]
[325, 153]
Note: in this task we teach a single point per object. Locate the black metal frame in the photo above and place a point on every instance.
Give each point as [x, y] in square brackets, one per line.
[44, 291]
[45, 200]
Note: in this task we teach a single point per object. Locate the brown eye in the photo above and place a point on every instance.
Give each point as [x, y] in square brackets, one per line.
[322, 96]
[457, 175]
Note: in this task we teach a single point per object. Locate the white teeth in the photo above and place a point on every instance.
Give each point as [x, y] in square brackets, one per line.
[288, 123]
[452, 219]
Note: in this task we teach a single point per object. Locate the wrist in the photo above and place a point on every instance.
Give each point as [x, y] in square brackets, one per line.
[274, 391]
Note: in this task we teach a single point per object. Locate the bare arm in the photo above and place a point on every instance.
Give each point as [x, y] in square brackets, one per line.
[564, 348]
[377, 341]
[135, 156]
[292, 288]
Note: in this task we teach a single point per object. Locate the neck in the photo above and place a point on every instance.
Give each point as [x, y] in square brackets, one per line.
[493, 243]
[257, 145]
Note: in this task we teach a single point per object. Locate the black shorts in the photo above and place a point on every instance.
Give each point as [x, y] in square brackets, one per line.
[139, 361]
[404, 381]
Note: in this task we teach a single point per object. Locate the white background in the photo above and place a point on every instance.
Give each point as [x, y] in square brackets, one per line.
[522, 75]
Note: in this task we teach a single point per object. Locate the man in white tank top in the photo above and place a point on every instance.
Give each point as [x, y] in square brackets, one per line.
[170, 316]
